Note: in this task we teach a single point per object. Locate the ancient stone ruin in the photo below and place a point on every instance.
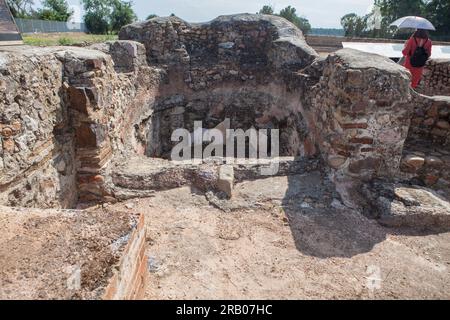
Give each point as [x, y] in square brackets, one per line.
[82, 127]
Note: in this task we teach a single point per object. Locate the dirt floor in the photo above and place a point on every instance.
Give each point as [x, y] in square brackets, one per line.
[59, 254]
[293, 240]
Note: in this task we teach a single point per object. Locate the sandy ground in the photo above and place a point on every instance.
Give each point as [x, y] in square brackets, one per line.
[54, 254]
[287, 242]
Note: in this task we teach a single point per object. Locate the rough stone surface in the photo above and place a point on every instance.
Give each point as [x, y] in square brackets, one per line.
[436, 79]
[430, 120]
[244, 41]
[34, 131]
[352, 108]
[140, 176]
[358, 109]
[64, 112]
[225, 182]
[235, 67]
[397, 205]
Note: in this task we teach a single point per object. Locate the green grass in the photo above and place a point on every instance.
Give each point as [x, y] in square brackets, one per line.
[65, 39]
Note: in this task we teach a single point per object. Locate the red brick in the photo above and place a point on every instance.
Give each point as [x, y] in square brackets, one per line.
[354, 125]
[310, 149]
[9, 145]
[431, 180]
[362, 140]
[94, 64]
[433, 111]
[78, 99]
[7, 132]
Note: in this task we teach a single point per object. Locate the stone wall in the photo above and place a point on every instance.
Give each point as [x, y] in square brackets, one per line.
[426, 156]
[358, 107]
[64, 112]
[431, 119]
[70, 116]
[234, 67]
[37, 156]
[104, 91]
[248, 42]
[436, 79]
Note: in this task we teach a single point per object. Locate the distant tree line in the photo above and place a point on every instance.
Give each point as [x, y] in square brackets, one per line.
[376, 24]
[101, 16]
[107, 16]
[56, 10]
[290, 14]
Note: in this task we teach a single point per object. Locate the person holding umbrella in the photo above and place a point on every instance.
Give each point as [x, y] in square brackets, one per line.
[416, 52]
[418, 48]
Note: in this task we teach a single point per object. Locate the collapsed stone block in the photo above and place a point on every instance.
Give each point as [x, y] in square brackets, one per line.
[128, 56]
[225, 183]
[397, 205]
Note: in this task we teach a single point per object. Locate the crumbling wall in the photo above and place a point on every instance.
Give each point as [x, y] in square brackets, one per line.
[93, 108]
[358, 108]
[64, 113]
[426, 157]
[37, 157]
[431, 119]
[243, 41]
[233, 67]
[436, 78]
[103, 103]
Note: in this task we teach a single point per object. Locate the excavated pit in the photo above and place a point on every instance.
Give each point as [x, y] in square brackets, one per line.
[245, 109]
[226, 74]
[224, 70]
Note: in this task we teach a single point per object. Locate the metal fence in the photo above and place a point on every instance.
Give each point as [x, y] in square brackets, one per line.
[327, 32]
[44, 26]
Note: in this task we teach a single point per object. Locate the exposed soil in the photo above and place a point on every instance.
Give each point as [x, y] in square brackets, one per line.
[41, 252]
[292, 240]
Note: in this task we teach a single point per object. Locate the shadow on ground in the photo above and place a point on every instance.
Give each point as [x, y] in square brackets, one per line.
[322, 227]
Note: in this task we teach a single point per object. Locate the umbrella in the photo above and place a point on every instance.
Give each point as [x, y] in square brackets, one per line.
[413, 22]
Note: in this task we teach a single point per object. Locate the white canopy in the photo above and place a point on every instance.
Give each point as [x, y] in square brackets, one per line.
[394, 50]
[413, 22]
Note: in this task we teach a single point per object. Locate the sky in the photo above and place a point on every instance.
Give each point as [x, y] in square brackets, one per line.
[321, 13]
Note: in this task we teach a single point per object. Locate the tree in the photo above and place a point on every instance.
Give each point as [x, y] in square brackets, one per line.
[392, 10]
[121, 15]
[267, 10]
[97, 15]
[151, 16]
[103, 16]
[290, 14]
[438, 12]
[354, 25]
[56, 10]
[21, 8]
